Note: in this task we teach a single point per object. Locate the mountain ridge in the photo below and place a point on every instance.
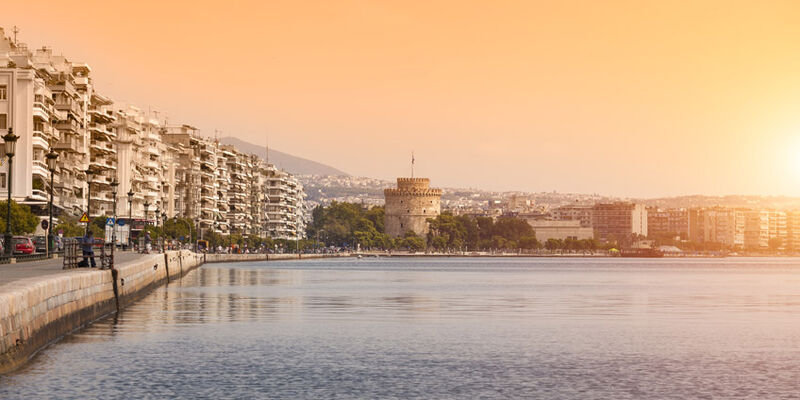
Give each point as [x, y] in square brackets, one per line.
[294, 164]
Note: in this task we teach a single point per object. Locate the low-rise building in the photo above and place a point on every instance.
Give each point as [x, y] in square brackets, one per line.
[549, 229]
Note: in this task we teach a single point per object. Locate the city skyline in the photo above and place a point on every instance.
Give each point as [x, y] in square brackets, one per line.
[658, 100]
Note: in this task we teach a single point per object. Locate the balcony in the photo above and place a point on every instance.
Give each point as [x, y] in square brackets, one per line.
[103, 148]
[81, 80]
[101, 164]
[101, 132]
[70, 144]
[68, 126]
[40, 168]
[101, 116]
[41, 111]
[38, 141]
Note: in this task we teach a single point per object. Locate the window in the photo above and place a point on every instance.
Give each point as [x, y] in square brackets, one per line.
[3, 181]
[3, 92]
[3, 121]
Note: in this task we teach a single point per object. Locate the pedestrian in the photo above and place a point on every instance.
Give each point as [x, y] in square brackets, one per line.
[87, 245]
[147, 242]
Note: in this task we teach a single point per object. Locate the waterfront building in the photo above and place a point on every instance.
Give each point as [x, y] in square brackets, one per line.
[50, 101]
[583, 213]
[562, 230]
[45, 99]
[720, 225]
[286, 216]
[793, 231]
[674, 221]
[409, 206]
[756, 230]
[619, 220]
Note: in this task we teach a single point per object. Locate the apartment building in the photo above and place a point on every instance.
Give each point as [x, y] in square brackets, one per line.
[619, 220]
[45, 99]
[51, 102]
[793, 230]
[717, 225]
[574, 212]
[668, 222]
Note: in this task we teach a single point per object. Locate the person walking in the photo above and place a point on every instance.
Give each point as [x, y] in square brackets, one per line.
[87, 246]
[147, 242]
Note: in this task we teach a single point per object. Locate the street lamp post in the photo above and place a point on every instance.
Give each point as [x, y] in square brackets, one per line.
[130, 217]
[114, 185]
[51, 158]
[163, 224]
[10, 140]
[89, 173]
[146, 206]
[158, 215]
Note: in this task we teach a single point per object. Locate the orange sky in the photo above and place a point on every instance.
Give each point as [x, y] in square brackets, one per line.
[628, 98]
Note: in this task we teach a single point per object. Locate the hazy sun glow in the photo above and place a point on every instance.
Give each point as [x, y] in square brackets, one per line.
[640, 98]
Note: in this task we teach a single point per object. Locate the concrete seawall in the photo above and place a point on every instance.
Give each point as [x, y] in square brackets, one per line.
[36, 311]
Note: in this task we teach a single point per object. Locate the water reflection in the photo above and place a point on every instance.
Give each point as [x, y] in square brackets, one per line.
[442, 329]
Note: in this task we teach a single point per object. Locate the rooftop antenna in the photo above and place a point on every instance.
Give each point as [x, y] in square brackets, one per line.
[412, 163]
[15, 30]
[267, 156]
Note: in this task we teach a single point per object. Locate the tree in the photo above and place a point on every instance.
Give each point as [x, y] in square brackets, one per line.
[69, 226]
[345, 224]
[553, 244]
[529, 243]
[414, 243]
[23, 221]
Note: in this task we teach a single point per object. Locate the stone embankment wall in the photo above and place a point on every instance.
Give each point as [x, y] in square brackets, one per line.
[36, 311]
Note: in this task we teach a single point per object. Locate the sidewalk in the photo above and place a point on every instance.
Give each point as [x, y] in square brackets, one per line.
[13, 272]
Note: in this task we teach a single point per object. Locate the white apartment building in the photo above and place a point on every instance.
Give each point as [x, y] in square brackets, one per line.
[50, 101]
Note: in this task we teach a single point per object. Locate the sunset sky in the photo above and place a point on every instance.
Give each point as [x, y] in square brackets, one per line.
[628, 98]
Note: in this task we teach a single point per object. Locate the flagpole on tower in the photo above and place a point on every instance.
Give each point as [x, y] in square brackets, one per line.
[412, 163]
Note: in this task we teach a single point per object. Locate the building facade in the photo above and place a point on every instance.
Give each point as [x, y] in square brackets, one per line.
[50, 102]
[673, 221]
[619, 220]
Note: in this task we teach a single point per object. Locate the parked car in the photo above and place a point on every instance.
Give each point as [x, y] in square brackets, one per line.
[40, 243]
[23, 245]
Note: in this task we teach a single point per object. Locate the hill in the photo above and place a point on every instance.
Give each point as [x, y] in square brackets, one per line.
[295, 165]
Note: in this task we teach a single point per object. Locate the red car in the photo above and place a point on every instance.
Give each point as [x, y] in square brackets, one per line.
[23, 245]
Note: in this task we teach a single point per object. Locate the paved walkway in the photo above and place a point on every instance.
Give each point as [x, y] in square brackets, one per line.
[13, 272]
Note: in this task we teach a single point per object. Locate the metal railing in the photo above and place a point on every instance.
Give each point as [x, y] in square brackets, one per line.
[75, 258]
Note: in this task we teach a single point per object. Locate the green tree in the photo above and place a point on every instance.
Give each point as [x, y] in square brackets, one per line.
[23, 221]
[529, 242]
[553, 244]
[69, 226]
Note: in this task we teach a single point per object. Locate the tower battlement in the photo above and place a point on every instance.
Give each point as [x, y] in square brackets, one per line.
[413, 183]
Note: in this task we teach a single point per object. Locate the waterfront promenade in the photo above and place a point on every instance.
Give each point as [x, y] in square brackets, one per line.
[31, 269]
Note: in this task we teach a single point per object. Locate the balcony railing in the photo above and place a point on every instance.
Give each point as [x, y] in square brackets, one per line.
[69, 144]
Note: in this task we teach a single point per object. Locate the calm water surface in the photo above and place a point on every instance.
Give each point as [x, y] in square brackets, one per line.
[443, 329]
